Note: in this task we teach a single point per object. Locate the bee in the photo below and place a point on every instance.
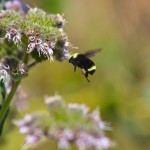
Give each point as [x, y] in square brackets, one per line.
[82, 61]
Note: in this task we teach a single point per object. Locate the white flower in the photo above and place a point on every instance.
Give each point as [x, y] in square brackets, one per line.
[52, 44]
[3, 75]
[17, 39]
[31, 38]
[2, 13]
[66, 46]
[8, 36]
[50, 54]
[13, 31]
[47, 51]
[38, 41]
[53, 99]
[31, 47]
[79, 107]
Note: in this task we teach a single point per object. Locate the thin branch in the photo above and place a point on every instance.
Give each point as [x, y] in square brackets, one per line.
[32, 64]
[26, 57]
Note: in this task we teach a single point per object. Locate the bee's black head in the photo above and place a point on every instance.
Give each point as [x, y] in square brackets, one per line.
[71, 60]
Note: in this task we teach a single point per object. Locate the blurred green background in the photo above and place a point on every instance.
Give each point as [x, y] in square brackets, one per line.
[121, 84]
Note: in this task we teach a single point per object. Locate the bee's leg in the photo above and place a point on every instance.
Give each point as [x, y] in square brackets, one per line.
[74, 68]
[86, 75]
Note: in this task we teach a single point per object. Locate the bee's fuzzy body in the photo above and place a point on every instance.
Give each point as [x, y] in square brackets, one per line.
[83, 62]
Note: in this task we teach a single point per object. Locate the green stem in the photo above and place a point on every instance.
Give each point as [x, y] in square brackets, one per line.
[2, 4]
[3, 91]
[8, 100]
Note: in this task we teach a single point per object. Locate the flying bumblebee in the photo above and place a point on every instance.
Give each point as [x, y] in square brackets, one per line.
[82, 61]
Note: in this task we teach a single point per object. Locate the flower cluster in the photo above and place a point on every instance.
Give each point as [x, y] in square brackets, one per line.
[42, 34]
[66, 123]
[33, 33]
[30, 125]
[11, 67]
[35, 42]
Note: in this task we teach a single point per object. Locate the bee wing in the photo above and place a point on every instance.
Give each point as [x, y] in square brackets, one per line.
[92, 53]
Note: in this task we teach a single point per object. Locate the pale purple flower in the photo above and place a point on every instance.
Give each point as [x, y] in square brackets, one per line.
[16, 5]
[63, 144]
[96, 117]
[60, 133]
[13, 5]
[13, 35]
[53, 100]
[66, 46]
[42, 47]
[33, 139]
[24, 129]
[88, 141]
[83, 140]
[17, 39]
[34, 43]
[47, 51]
[102, 143]
[60, 21]
[26, 121]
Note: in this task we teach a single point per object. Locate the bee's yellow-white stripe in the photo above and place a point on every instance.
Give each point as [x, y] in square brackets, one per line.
[75, 55]
[92, 68]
